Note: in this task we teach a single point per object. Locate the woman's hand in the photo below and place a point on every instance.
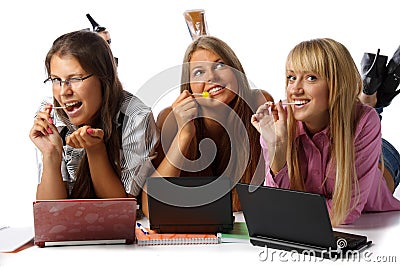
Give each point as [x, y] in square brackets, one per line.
[185, 109]
[271, 122]
[85, 137]
[45, 135]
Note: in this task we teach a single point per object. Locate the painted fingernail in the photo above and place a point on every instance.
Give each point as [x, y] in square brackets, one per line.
[89, 131]
[51, 120]
[49, 130]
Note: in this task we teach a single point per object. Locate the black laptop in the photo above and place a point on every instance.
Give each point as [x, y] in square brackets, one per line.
[294, 220]
[190, 204]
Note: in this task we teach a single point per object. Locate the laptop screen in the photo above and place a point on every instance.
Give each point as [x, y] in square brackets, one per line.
[190, 204]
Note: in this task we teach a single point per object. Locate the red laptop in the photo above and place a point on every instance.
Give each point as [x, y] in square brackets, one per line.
[84, 221]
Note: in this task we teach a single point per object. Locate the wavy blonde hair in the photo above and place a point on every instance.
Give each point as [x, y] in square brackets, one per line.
[332, 61]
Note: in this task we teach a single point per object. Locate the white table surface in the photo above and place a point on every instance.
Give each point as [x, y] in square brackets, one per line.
[382, 228]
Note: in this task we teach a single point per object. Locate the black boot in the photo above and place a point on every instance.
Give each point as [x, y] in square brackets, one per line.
[95, 25]
[388, 89]
[373, 71]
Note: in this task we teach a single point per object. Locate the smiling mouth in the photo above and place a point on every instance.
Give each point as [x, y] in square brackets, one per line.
[216, 89]
[73, 105]
[301, 102]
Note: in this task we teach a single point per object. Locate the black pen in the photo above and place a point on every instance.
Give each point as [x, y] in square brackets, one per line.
[142, 228]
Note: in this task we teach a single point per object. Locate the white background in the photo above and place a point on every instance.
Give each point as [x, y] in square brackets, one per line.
[151, 36]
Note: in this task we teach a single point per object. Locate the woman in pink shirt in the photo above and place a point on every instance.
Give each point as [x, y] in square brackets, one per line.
[322, 139]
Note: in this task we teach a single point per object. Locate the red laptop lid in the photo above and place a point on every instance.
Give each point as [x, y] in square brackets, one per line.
[84, 220]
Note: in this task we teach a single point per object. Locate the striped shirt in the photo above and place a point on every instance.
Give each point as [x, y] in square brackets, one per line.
[139, 135]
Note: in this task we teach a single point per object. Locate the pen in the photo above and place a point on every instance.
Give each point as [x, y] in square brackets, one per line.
[142, 228]
[283, 103]
[204, 94]
[54, 107]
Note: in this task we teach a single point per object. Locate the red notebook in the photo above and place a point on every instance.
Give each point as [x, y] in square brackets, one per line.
[84, 221]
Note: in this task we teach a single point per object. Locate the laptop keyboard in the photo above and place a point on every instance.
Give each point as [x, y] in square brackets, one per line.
[351, 241]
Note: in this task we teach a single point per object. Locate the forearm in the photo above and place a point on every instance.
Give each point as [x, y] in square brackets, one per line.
[178, 149]
[277, 156]
[278, 179]
[51, 184]
[166, 168]
[176, 155]
[106, 182]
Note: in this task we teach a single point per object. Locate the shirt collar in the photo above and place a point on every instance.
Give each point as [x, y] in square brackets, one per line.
[116, 119]
[303, 131]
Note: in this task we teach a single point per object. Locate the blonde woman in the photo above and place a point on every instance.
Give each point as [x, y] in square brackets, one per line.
[324, 140]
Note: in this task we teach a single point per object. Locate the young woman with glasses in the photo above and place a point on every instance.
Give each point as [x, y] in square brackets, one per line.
[96, 140]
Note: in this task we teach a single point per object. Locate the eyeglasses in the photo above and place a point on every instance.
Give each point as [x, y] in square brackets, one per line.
[73, 82]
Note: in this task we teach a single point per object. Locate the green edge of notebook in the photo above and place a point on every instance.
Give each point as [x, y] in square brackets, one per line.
[239, 234]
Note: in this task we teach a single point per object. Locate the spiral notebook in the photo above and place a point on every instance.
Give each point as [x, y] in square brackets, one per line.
[153, 238]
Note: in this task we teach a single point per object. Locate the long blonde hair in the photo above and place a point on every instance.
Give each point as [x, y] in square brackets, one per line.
[332, 61]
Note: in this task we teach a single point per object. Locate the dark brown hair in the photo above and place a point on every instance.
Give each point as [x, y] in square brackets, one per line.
[95, 57]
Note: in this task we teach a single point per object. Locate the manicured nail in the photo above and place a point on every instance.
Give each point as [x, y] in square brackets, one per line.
[51, 120]
[49, 130]
[89, 131]
[49, 107]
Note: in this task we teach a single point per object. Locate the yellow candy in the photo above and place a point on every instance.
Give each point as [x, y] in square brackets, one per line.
[203, 94]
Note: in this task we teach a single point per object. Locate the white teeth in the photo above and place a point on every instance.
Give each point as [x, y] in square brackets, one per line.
[71, 104]
[216, 89]
[300, 102]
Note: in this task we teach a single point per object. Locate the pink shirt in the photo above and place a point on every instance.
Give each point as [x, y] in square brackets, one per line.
[374, 193]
